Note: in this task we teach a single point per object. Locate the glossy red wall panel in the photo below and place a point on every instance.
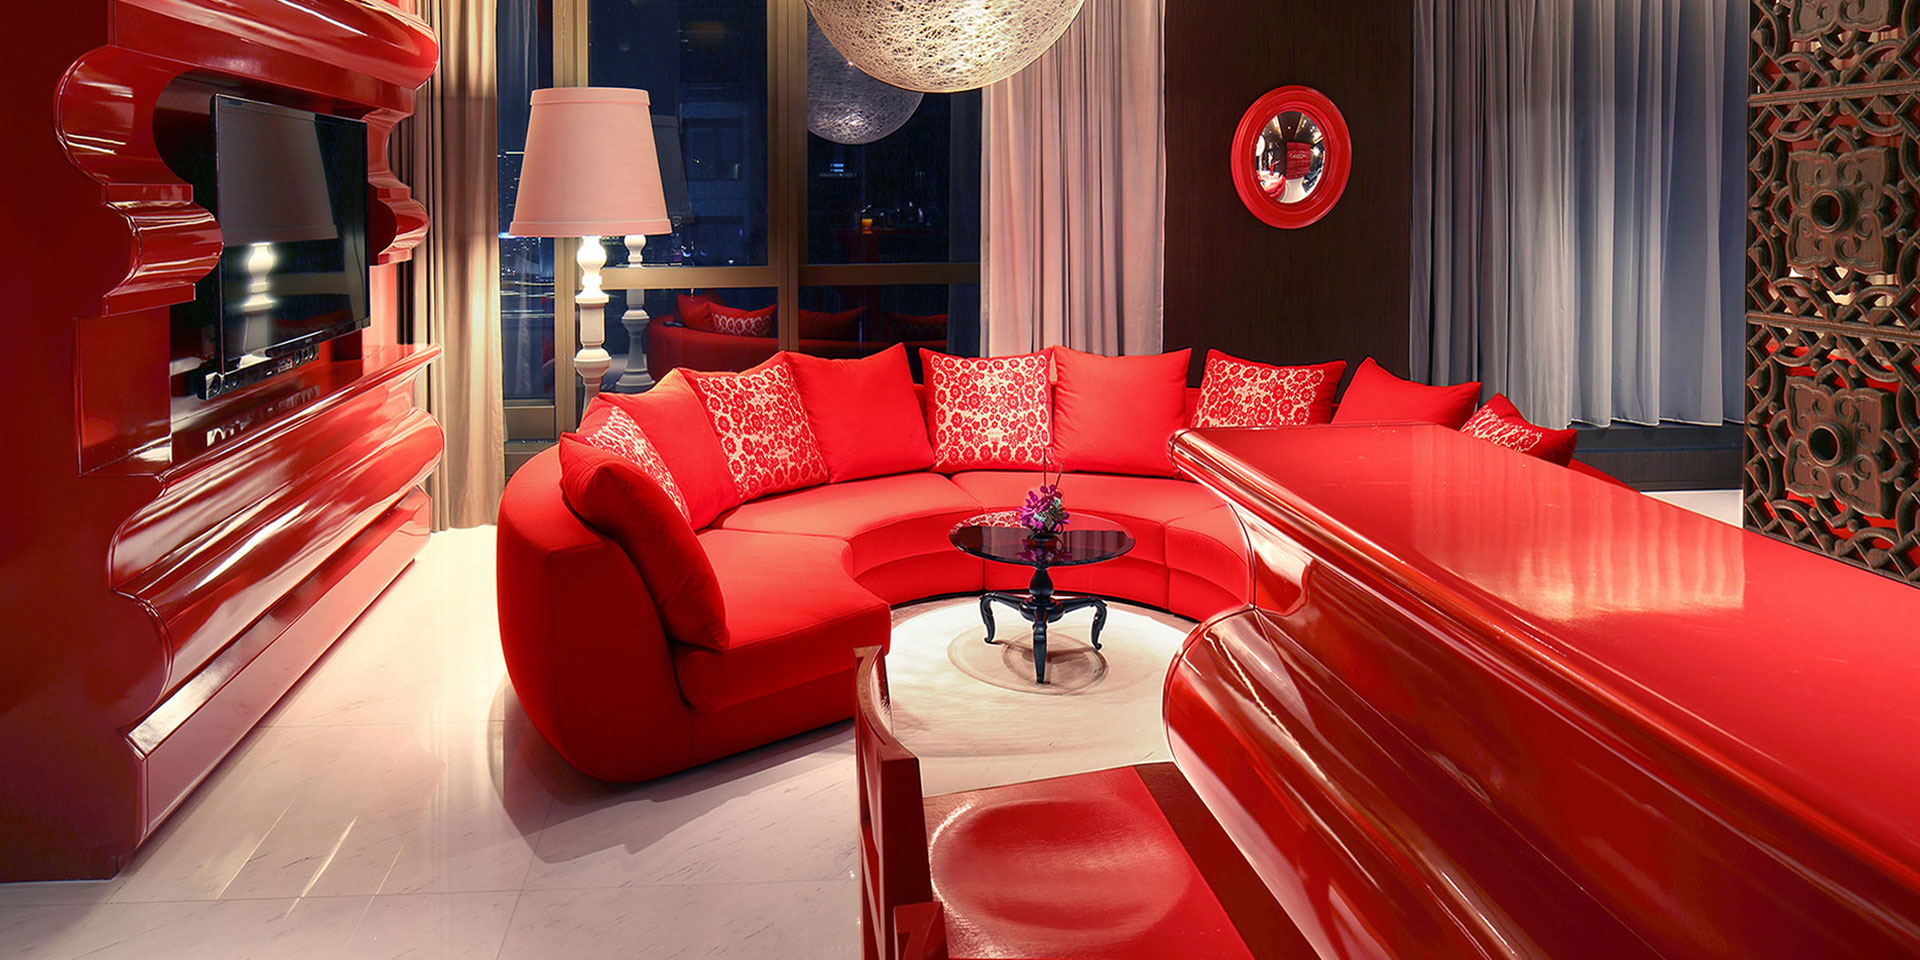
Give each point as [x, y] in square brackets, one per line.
[154, 549]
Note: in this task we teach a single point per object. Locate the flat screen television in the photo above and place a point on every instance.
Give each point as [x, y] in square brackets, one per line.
[289, 189]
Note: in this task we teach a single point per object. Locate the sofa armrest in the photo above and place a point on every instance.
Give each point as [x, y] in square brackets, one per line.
[584, 646]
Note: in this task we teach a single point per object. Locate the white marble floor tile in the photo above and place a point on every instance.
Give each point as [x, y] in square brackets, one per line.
[1721, 505]
[447, 926]
[384, 672]
[315, 927]
[762, 921]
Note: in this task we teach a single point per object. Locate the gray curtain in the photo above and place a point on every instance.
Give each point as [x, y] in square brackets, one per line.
[1075, 183]
[1579, 214]
[452, 293]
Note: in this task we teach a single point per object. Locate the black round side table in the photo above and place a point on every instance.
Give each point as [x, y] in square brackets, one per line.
[1087, 540]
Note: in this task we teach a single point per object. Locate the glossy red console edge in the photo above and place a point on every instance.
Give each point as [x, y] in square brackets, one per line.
[168, 566]
[1488, 707]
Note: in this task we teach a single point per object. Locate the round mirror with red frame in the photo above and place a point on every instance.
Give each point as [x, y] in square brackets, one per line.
[1291, 157]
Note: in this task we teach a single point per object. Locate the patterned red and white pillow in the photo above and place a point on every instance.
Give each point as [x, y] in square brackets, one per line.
[1499, 421]
[763, 428]
[741, 323]
[619, 435]
[1241, 393]
[988, 412]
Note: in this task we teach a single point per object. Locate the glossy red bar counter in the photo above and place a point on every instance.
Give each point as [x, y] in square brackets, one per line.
[1489, 707]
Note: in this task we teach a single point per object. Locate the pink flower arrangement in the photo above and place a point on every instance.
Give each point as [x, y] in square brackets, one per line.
[1045, 511]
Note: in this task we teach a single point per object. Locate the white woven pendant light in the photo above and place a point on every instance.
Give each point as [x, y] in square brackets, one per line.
[843, 103]
[943, 46]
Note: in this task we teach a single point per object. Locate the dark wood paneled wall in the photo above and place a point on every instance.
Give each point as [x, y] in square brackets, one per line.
[1833, 332]
[1336, 289]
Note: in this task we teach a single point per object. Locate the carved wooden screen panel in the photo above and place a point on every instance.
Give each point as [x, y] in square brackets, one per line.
[1833, 280]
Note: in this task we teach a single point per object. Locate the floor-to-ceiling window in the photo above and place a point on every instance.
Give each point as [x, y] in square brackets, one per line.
[782, 239]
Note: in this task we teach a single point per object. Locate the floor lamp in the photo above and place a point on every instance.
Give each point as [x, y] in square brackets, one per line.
[590, 171]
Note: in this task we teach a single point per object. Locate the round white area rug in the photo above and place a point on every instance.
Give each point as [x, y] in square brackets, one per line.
[974, 715]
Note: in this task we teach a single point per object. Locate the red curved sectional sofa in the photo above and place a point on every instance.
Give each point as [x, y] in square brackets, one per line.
[805, 576]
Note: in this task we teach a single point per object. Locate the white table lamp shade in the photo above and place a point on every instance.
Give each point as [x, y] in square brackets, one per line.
[590, 169]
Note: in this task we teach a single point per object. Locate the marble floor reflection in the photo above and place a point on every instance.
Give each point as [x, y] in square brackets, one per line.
[397, 804]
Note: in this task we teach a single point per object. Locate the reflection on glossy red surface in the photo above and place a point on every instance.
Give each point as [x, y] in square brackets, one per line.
[1489, 707]
[167, 567]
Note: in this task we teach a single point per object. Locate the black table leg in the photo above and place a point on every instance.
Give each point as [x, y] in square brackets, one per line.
[1040, 649]
[986, 614]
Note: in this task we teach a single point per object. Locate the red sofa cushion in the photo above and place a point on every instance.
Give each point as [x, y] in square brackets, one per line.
[1242, 393]
[794, 615]
[1210, 547]
[1114, 414]
[884, 518]
[611, 429]
[821, 325]
[763, 429]
[674, 418]
[1376, 396]
[864, 414]
[1499, 421]
[907, 329]
[613, 496]
[988, 412]
[740, 323]
[695, 310]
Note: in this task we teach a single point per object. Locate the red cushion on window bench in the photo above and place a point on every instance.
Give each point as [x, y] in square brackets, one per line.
[988, 412]
[1376, 396]
[741, 323]
[864, 414]
[1499, 421]
[695, 310]
[1114, 414]
[613, 496]
[910, 329]
[1242, 393]
[763, 428]
[821, 325]
[672, 416]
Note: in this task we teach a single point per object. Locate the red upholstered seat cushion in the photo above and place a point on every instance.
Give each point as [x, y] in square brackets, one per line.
[1114, 414]
[1376, 396]
[1242, 393]
[672, 416]
[864, 414]
[1499, 421]
[821, 325]
[884, 519]
[741, 323]
[1211, 548]
[611, 429]
[763, 429]
[614, 497]
[909, 329]
[988, 412]
[793, 612]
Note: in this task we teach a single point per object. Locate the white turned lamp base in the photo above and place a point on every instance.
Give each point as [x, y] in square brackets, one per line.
[593, 361]
[635, 379]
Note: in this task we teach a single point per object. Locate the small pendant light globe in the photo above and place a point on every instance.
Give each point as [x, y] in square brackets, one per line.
[943, 46]
[845, 105]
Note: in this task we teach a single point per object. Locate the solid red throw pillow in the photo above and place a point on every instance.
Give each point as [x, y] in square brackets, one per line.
[1114, 414]
[741, 323]
[1376, 396]
[1500, 422]
[672, 416]
[695, 311]
[864, 414]
[820, 325]
[613, 496]
[1242, 393]
[616, 433]
[763, 428]
[988, 412]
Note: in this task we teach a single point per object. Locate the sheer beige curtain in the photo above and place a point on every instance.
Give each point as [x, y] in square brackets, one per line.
[1075, 184]
[448, 155]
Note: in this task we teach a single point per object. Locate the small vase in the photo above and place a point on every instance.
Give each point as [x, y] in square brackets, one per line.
[1042, 536]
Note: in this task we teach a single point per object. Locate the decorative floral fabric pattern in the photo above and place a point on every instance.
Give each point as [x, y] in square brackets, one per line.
[741, 323]
[623, 438]
[990, 411]
[763, 429]
[1236, 393]
[1506, 431]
